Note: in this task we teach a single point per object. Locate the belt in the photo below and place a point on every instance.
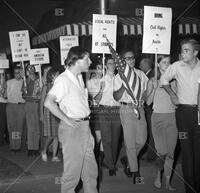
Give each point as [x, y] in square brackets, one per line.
[107, 106]
[141, 103]
[188, 105]
[83, 119]
[124, 103]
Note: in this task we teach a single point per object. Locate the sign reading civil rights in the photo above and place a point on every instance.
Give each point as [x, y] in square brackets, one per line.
[4, 63]
[103, 26]
[39, 56]
[66, 42]
[20, 45]
[157, 30]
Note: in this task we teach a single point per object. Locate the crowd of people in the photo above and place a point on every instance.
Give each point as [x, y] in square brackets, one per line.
[97, 112]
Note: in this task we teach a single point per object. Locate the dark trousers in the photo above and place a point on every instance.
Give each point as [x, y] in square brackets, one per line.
[3, 126]
[110, 126]
[149, 150]
[189, 136]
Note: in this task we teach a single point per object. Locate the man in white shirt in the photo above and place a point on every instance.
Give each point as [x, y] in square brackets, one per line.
[110, 124]
[134, 129]
[187, 73]
[74, 132]
[15, 109]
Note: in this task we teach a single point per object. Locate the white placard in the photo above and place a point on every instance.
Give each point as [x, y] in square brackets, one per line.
[157, 30]
[39, 56]
[4, 64]
[103, 25]
[66, 42]
[20, 45]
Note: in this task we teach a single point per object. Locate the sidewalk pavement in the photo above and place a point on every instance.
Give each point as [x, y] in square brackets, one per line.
[40, 177]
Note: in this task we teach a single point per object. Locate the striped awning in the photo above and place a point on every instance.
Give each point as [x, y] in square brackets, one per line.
[189, 26]
[126, 26]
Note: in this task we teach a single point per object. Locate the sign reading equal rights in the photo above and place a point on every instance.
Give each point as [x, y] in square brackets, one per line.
[103, 26]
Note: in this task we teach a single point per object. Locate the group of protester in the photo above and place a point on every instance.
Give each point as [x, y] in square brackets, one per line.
[22, 109]
[165, 109]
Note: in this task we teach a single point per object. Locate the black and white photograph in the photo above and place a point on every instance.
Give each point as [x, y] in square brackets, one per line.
[99, 96]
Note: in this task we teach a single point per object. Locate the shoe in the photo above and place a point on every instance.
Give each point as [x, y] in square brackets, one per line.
[112, 172]
[30, 153]
[55, 159]
[157, 184]
[44, 156]
[136, 175]
[127, 171]
[170, 188]
[36, 152]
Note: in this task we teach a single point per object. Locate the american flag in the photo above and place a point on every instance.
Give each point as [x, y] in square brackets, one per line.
[131, 80]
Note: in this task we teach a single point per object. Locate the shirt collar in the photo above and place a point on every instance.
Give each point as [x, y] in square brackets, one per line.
[72, 77]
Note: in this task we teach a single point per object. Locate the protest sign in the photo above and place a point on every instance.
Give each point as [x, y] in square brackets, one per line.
[103, 26]
[39, 56]
[66, 42]
[20, 45]
[157, 30]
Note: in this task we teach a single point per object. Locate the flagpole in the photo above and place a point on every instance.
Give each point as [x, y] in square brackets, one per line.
[103, 12]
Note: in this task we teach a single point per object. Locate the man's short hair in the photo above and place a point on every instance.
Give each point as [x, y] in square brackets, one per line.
[147, 61]
[161, 57]
[75, 53]
[108, 57]
[124, 51]
[195, 44]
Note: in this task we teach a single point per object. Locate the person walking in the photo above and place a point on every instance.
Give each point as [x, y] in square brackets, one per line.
[163, 124]
[74, 132]
[50, 122]
[187, 72]
[134, 128]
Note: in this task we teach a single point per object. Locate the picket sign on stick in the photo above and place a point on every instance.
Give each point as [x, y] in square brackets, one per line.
[20, 46]
[103, 26]
[37, 57]
[157, 31]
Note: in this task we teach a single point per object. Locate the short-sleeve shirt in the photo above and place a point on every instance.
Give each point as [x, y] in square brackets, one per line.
[14, 91]
[107, 96]
[118, 83]
[71, 95]
[187, 81]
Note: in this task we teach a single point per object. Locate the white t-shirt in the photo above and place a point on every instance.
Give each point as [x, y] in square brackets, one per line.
[107, 96]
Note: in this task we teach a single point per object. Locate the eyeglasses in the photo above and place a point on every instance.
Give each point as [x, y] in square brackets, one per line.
[129, 58]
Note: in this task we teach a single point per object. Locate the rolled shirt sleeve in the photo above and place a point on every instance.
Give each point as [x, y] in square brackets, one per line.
[58, 90]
